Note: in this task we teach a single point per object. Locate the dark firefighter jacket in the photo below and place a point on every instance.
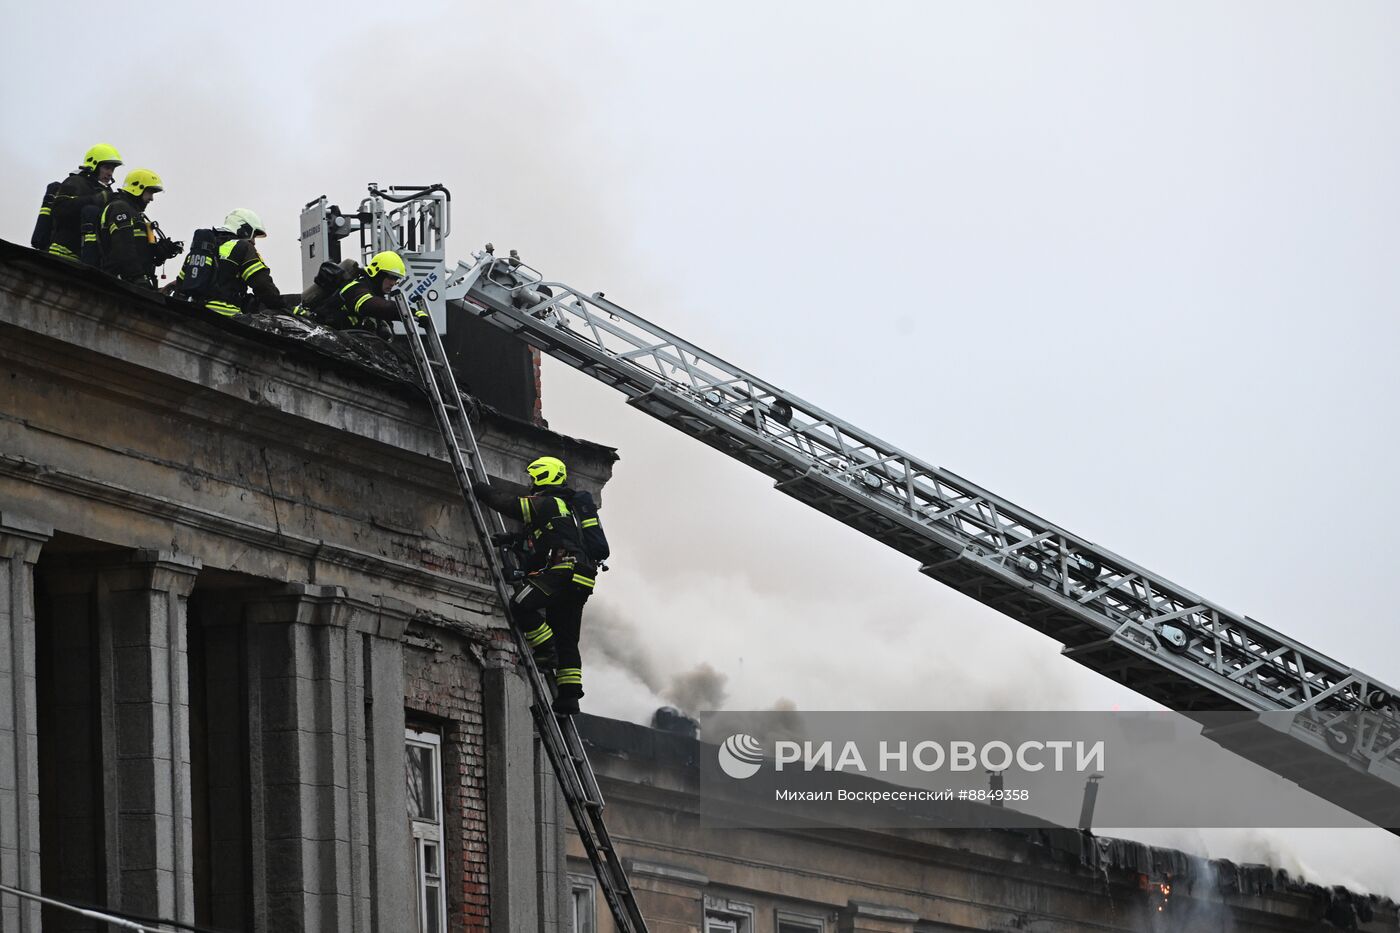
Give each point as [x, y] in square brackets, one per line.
[128, 243]
[241, 270]
[549, 523]
[80, 194]
[358, 304]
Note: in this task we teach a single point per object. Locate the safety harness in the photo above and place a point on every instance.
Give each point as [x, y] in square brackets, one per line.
[559, 537]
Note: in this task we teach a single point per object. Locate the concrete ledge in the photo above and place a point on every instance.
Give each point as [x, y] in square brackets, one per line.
[881, 912]
[667, 873]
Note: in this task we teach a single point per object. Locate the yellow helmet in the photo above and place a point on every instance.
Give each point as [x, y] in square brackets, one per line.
[101, 153]
[140, 180]
[548, 471]
[388, 263]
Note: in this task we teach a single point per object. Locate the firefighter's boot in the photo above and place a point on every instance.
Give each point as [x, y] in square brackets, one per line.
[566, 703]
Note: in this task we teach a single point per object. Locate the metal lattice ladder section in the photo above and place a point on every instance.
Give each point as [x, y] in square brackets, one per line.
[1113, 616]
[558, 733]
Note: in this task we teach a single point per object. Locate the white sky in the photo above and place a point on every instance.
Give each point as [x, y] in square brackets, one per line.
[1128, 265]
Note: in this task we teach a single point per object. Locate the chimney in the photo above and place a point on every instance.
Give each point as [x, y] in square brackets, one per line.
[1091, 796]
[995, 782]
[670, 719]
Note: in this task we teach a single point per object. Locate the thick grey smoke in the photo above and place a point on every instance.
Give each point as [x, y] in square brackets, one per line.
[635, 660]
[700, 688]
[618, 646]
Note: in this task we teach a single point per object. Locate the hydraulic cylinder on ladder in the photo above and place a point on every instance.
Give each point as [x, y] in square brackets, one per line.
[1340, 726]
[414, 226]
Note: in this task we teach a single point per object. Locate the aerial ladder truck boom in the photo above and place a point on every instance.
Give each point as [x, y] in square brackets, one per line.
[1337, 725]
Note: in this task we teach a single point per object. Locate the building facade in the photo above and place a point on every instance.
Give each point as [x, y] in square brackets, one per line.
[693, 878]
[253, 676]
[252, 669]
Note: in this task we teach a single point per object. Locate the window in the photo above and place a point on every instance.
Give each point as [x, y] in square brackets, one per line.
[788, 922]
[584, 904]
[423, 751]
[726, 916]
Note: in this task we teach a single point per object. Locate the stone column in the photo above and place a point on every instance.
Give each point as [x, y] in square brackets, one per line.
[390, 877]
[308, 824]
[141, 605]
[552, 813]
[20, 542]
[311, 718]
[511, 800]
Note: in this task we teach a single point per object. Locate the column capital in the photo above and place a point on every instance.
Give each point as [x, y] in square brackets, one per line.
[303, 603]
[20, 537]
[391, 617]
[312, 604]
[149, 569]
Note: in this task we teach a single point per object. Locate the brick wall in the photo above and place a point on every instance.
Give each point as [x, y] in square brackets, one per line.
[443, 692]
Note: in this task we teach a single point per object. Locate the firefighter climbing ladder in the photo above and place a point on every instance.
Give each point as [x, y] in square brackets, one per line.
[558, 734]
[1337, 725]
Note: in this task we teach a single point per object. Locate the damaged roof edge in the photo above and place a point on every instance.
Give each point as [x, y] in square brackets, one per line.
[1340, 906]
[306, 343]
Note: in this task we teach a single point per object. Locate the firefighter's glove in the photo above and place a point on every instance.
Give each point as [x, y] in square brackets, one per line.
[480, 489]
[422, 320]
[506, 539]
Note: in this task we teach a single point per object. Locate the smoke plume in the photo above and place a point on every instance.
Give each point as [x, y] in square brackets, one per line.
[698, 689]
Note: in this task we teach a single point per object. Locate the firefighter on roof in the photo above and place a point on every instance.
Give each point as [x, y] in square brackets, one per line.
[223, 267]
[132, 244]
[349, 298]
[67, 224]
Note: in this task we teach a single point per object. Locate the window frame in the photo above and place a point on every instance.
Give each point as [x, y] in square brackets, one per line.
[806, 923]
[588, 886]
[722, 915]
[429, 836]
